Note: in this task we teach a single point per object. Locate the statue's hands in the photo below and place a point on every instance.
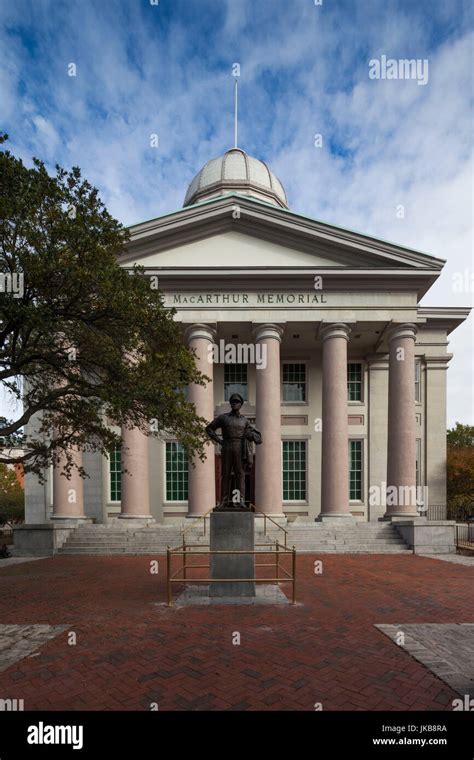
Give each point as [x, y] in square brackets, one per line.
[213, 435]
[255, 436]
[216, 438]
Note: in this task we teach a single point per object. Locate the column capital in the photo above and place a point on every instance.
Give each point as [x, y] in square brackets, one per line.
[267, 330]
[334, 330]
[208, 332]
[402, 330]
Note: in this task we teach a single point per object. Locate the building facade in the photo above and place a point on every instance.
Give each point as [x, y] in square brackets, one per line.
[319, 329]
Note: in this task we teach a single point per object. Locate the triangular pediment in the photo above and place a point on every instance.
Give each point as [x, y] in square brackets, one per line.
[236, 232]
[232, 249]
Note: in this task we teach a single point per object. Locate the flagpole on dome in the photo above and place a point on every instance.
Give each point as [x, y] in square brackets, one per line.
[236, 87]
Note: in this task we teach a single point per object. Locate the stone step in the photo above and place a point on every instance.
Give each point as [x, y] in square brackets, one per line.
[259, 539]
[350, 550]
[312, 550]
[354, 531]
[299, 547]
[311, 537]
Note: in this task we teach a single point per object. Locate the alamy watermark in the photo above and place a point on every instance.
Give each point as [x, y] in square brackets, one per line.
[12, 283]
[48, 734]
[12, 705]
[399, 68]
[238, 353]
[399, 496]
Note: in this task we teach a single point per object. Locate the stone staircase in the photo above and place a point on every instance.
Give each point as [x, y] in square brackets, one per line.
[307, 537]
[358, 538]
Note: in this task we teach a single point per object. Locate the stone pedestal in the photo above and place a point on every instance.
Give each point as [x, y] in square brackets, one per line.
[427, 536]
[232, 531]
[42, 539]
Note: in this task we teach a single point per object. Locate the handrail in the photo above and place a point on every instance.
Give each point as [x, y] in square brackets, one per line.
[184, 552]
[267, 517]
[257, 511]
[198, 517]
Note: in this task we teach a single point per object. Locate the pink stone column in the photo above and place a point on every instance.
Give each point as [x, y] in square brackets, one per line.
[201, 476]
[135, 482]
[68, 494]
[335, 453]
[268, 458]
[401, 447]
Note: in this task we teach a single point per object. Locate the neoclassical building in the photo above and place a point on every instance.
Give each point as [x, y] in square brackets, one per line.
[320, 330]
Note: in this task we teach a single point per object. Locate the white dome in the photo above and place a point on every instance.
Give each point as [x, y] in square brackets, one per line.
[236, 172]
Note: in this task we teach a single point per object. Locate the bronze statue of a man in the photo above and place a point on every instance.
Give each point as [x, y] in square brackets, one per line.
[236, 440]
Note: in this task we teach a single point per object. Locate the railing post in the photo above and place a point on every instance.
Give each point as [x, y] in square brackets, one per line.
[294, 575]
[168, 574]
[276, 562]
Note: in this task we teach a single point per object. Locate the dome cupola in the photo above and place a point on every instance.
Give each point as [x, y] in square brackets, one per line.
[236, 172]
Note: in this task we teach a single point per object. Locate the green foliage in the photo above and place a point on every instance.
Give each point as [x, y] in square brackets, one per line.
[461, 435]
[12, 499]
[14, 439]
[460, 472]
[65, 335]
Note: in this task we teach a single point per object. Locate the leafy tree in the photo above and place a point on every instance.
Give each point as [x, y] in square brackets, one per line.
[461, 436]
[12, 499]
[460, 471]
[83, 342]
[15, 439]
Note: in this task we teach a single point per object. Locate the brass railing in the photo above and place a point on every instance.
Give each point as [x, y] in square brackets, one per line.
[255, 510]
[185, 553]
[267, 517]
[198, 517]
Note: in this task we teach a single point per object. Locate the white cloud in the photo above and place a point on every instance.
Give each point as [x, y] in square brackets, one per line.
[304, 70]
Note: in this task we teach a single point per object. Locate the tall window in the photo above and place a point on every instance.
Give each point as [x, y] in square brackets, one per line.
[418, 462]
[354, 382]
[235, 380]
[115, 469]
[294, 470]
[355, 470]
[176, 472]
[417, 380]
[294, 382]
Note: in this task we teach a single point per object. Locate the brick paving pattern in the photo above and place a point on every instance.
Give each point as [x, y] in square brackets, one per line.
[132, 650]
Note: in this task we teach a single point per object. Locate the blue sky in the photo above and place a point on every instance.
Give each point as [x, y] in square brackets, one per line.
[166, 69]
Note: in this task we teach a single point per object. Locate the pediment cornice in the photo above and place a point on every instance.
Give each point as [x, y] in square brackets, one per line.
[259, 220]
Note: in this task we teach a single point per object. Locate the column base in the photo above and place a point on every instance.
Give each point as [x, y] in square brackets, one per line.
[133, 521]
[197, 516]
[341, 517]
[395, 516]
[279, 517]
[73, 518]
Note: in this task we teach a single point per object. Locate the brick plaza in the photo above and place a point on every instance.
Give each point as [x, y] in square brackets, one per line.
[132, 650]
